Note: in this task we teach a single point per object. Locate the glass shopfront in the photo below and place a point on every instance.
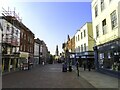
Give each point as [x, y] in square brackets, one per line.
[109, 56]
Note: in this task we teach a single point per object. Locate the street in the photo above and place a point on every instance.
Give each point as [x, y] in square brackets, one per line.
[47, 76]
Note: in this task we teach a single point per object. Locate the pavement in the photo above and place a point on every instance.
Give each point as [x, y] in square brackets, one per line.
[51, 76]
[47, 76]
[99, 80]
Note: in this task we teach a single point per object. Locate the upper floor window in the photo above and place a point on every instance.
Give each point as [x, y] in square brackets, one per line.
[96, 11]
[25, 36]
[104, 26]
[78, 37]
[78, 48]
[97, 31]
[110, 0]
[12, 30]
[22, 34]
[81, 48]
[102, 5]
[81, 35]
[113, 19]
[84, 33]
[8, 27]
[84, 46]
[16, 32]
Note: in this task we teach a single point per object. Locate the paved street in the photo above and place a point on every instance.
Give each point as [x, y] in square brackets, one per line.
[48, 76]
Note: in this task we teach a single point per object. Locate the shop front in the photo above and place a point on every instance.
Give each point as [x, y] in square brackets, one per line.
[9, 62]
[108, 58]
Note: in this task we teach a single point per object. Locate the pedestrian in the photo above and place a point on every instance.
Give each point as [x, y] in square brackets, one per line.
[89, 65]
[77, 66]
[28, 63]
[84, 65]
[43, 63]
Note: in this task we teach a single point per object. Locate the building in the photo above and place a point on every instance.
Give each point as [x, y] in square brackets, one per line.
[57, 52]
[106, 27]
[44, 52]
[17, 42]
[73, 44]
[1, 47]
[84, 43]
[26, 43]
[37, 53]
[10, 42]
[70, 44]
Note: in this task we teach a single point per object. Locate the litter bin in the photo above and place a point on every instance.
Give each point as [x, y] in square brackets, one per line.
[64, 67]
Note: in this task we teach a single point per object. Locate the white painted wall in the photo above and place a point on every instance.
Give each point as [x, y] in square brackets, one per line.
[77, 43]
[85, 40]
[105, 14]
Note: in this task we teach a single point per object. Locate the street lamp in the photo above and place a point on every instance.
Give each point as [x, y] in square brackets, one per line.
[95, 48]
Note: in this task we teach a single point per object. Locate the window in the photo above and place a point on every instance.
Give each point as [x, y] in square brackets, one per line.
[109, 55]
[84, 33]
[21, 34]
[78, 48]
[21, 47]
[102, 5]
[84, 46]
[16, 32]
[25, 36]
[8, 27]
[81, 35]
[97, 31]
[96, 11]
[12, 30]
[24, 47]
[110, 0]
[113, 19]
[78, 37]
[101, 56]
[81, 48]
[104, 26]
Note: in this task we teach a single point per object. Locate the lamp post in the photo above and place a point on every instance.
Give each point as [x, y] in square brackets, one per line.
[95, 48]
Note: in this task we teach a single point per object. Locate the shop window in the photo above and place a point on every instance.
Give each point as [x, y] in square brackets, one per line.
[109, 55]
[101, 58]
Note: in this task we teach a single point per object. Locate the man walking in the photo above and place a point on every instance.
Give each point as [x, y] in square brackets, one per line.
[77, 65]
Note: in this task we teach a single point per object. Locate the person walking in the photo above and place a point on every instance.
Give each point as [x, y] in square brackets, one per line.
[84, 65]
[77, 66]
[89, 65]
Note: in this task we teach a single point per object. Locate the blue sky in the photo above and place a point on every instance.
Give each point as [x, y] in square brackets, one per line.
[53, 21]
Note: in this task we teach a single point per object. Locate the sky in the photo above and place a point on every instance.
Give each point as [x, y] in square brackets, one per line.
[52, 21]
